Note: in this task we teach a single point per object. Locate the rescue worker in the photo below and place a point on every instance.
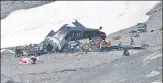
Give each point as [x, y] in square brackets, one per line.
[120, 46]
[86, 47]
[98, 45]
[16, 52]
[33, 58]
[30, 50]
[72, 47]
[35, 54]
[30, 45]
[102, 44]
[25, 52]
[80, 48]
[91, 43]
[36, 49]
[132, 41]
[26, 49]
[109, 45]
[69, 48]
[41, 49]
[94, 48]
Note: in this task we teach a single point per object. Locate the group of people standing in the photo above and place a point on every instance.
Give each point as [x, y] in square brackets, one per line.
[91, 46]
[97, 46]
[29, 50]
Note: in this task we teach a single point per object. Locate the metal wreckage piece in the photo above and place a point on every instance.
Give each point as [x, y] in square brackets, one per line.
[69, 33]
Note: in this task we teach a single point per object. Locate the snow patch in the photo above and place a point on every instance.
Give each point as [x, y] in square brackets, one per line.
[2, 50]
[158, 55]
[156, 82]
[153, 56]
[153, 73]
[28, 26]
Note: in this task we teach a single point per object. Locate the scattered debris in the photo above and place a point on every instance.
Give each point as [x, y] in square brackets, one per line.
[152, 30]
[68, 70]
[134, 33]
[142, 27]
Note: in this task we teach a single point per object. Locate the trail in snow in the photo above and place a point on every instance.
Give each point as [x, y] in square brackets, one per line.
[2, 50]
[153, 56]
[153, 73]
[32, 25]
[156, 82]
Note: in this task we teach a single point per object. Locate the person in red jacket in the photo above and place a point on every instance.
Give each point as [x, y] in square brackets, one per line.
[98, 45]
[109, 45]
[34, 58]
[35, 54]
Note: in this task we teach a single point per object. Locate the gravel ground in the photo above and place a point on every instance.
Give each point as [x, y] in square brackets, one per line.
[54, 66]
[143, 66]
[106, 67]
[132, 69]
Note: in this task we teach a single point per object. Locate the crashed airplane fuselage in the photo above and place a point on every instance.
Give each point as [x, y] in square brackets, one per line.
[72, 33]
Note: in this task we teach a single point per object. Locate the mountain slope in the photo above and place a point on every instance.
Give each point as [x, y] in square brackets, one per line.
[142, 67]
[154, 22]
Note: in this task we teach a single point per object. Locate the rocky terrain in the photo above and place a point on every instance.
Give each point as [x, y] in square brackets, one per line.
[153, 23]
[8, 7]
[142, 66]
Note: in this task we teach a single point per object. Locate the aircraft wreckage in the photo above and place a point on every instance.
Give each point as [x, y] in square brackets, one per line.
[71, 33]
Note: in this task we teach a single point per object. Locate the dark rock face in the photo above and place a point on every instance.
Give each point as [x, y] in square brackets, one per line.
[155, 20]
[8, 7]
